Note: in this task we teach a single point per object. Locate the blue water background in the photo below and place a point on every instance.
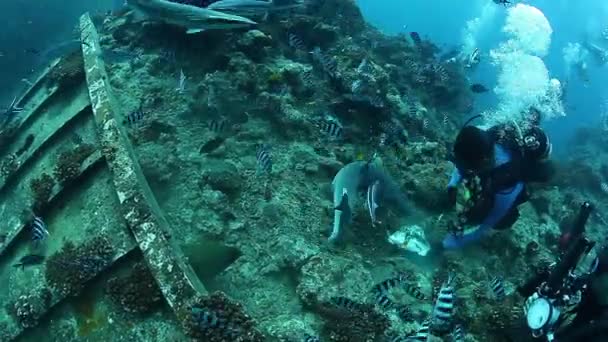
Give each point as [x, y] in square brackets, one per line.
[443, 21]
[42, 24]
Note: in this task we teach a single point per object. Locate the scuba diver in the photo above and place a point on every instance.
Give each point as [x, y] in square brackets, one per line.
[494, 166]
[569, 301]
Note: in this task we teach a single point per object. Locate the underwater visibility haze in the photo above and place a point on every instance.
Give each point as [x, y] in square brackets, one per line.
[303, 170]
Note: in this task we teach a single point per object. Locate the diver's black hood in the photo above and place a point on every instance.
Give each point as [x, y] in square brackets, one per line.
[472, 146]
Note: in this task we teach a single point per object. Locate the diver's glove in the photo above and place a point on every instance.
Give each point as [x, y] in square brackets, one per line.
[452, 193]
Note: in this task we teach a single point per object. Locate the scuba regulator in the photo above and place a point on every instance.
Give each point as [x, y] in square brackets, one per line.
[553, 295]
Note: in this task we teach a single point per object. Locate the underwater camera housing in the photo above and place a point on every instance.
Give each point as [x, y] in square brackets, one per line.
[552, 296]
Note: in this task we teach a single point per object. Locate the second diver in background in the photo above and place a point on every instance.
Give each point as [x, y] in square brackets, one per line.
[494, 166]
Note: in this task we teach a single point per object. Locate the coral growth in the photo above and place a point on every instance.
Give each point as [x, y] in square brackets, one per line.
[358, 324]
[68, 269]
[69, 163]
[69, 71]
[42, 189]
[10, 164]
[27, 309]
[136, 292]
[232, 323]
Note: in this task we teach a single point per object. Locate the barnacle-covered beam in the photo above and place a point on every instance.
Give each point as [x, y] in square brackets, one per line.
[177, 281]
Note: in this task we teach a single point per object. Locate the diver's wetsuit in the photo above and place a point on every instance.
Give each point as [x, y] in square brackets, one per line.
[504, 201]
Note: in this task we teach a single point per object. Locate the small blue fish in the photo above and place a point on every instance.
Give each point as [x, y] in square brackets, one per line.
[264, 158]
[39, 230]
[11, 111]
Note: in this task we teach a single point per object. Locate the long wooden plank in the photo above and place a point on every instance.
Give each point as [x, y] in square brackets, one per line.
[176, 279]
[77, 106]
[18, 225]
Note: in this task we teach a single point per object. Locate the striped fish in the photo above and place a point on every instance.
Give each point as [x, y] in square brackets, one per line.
[39, 230]
[413, 291]
[413, 110]
[401, 280]
[308, 78]
[218, 125]
[331, 128]
[458, 334]
[295, 42]
[441, 72]
[498, 288]
[444, 305]
[344, 303]
[422, 334]
[328, 63]
[383, 300]
[264, 158]
[416, 38]
[136, 115]
[405, 313]
[376, 101]
[386, 285]
[364, 67]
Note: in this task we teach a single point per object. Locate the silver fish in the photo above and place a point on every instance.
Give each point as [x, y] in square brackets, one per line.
[193, 19]
[371, 200]
[250, 7]
[181, 82]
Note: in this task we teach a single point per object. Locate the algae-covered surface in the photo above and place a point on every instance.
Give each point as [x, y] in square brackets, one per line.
[200, 108]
